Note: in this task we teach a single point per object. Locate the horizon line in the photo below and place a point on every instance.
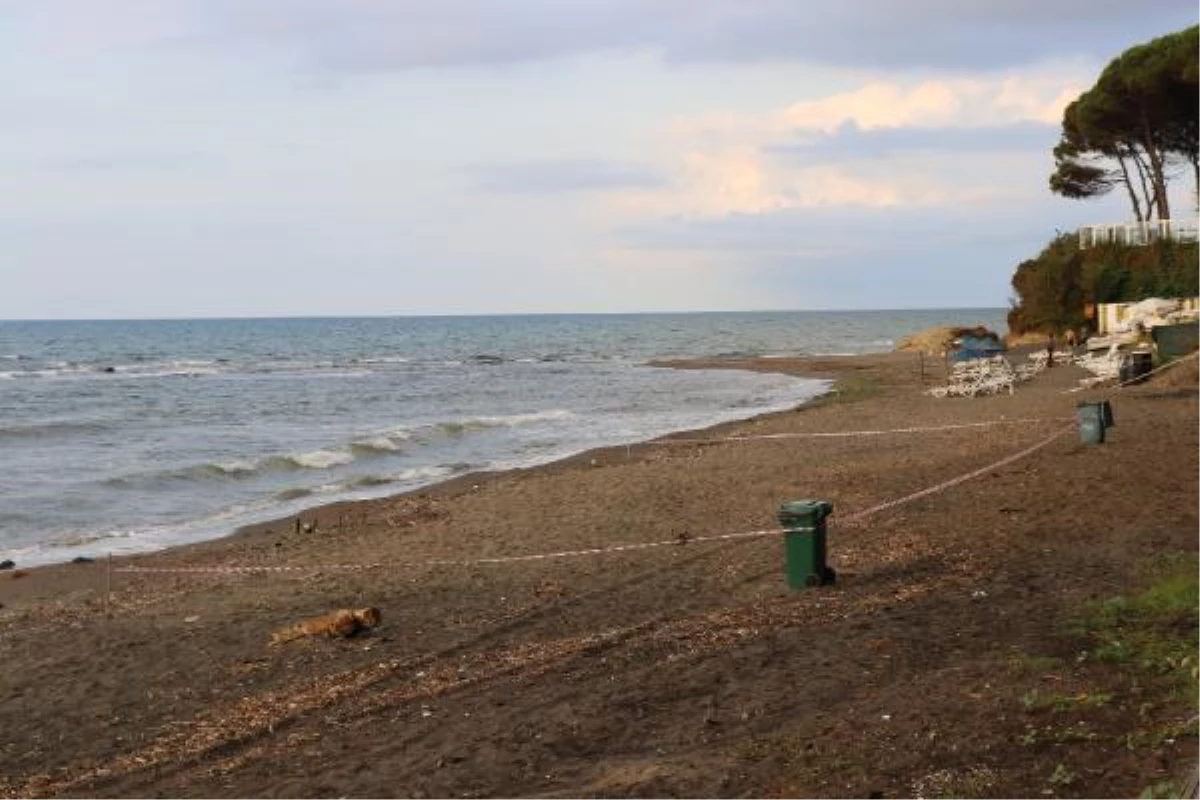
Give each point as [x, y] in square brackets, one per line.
[469, 315]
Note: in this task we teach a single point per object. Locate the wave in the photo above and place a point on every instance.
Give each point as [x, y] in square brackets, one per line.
[377, 446]
[159, 369]
[464, 426]
[382, 444]
[360, 482]
[191, 368]
[381, 360]
[506, 420]
[238, 469]
[288, 462]
[314, 459]
[407, 476]
[231, 468]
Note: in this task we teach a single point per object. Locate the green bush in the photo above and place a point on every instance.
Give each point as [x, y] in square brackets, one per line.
[1052, 289]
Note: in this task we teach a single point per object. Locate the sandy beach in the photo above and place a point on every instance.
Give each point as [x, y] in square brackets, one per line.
[522, 654]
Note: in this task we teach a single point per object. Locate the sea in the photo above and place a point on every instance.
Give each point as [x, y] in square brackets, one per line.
[136, 435]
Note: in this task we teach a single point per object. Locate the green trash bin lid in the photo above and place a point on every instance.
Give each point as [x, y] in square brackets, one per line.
[810, 511]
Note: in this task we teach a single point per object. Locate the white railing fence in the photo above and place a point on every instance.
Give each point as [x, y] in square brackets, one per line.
[1138, 233]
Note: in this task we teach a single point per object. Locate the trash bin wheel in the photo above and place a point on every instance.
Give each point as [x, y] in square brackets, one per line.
[828, 576]
[812, 580]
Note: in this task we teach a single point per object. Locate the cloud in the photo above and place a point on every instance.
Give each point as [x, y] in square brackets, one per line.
[978, 101]
[885, 144]
[851, 142]
[366, 35]
[569, 175]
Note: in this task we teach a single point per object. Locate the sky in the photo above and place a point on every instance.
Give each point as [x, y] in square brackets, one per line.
[223, 158]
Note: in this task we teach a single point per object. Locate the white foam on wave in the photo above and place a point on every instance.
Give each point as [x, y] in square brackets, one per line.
[383, 443]
[180, 372]
[425, 473]
[236, 467]
[59, 369]
[383, 360]
[321, 459]
[512, 420]
[164, 369]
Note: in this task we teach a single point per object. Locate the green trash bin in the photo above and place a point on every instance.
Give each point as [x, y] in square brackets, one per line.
[803, 523]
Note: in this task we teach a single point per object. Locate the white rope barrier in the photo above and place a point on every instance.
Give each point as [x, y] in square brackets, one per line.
[852, 434]
[851, 520]
[591, 551]
[855, 519]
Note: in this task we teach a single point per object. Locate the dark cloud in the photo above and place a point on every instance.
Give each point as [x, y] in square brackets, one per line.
[850, 142]
[356, 35]
[571, 175]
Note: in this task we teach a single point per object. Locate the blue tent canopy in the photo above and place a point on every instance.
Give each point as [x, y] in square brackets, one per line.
[968, 347]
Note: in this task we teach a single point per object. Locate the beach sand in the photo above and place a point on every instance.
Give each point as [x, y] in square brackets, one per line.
[687, 668]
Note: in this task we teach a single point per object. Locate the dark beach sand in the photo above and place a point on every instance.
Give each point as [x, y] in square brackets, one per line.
[684, 669]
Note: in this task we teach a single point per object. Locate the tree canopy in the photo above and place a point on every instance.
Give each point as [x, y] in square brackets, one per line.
[1134, 126]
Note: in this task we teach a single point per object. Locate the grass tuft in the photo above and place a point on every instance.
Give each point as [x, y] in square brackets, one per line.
[1155, 631]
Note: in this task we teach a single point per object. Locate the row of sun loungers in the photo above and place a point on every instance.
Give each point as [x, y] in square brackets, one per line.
[979, 376]
[984, 376]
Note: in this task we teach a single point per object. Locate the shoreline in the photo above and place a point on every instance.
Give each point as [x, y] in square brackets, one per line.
[666, 671]
[831, 368]
[68, 576]
[446, 485]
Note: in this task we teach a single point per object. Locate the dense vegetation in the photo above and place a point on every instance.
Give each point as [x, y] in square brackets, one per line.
[1136, 128]
[1055, 286]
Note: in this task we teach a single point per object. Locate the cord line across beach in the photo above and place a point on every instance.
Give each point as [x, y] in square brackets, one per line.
[854, 519]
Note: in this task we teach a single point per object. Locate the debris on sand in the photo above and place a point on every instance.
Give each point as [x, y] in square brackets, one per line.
[345, 622]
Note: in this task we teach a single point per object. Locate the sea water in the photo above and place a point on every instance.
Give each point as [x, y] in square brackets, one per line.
[129, 436]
